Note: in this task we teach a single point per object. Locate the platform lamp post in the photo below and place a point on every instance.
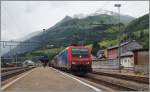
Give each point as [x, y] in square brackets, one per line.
[118, 6]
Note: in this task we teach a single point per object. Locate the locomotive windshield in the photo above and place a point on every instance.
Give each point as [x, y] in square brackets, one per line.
[80, 52]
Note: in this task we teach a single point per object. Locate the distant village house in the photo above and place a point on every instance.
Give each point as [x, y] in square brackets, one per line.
[126, 53]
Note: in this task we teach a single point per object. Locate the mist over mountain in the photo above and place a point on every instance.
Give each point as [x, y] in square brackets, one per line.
[30, 35]
[6, 49]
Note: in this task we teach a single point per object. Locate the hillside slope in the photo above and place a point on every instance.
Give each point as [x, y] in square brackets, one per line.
[138, 30]
[74, 30]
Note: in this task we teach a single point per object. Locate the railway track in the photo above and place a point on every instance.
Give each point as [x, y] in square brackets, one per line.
[116, 83]
[10, 69]
[11, 72]
[126, 77]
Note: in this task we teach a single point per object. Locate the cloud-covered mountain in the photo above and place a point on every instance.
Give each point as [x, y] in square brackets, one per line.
[76, 30]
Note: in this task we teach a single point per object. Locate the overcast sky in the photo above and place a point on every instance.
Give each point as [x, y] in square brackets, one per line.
[19, 18]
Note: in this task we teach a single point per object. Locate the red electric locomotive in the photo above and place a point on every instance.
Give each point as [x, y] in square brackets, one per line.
[76, 59]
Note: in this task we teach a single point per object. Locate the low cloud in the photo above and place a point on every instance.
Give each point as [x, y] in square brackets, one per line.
[22, 18]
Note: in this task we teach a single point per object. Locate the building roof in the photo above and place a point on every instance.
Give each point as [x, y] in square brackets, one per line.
[112, 47]
[100, 51]
[136, 50]
[122, 44]
[127, 54]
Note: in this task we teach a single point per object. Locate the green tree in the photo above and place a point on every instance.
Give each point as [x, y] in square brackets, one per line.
[141, 34]
[146, 44]
[132, 36]
[103, 47]
[95, 48]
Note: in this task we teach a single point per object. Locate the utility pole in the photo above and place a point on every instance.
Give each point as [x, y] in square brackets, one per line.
[118, 6]
[44, 32]
[10, 53]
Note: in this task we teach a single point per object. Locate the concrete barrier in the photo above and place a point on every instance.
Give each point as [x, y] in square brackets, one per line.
[141, 69]
[105, 64]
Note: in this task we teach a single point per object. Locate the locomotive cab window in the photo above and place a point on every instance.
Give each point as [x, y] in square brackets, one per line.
[80, 52]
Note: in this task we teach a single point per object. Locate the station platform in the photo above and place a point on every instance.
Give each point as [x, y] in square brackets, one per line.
[48, 79]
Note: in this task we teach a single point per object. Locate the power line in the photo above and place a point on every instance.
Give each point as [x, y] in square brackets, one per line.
[19, 43]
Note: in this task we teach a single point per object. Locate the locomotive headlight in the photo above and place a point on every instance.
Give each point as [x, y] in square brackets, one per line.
[73, 62]
[87, 62]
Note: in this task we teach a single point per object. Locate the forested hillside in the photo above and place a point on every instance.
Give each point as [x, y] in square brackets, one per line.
[101, 28]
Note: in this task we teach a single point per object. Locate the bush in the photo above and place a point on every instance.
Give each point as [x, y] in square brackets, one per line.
[95, 48]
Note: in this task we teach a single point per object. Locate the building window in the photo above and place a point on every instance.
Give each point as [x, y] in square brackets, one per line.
[125, 60]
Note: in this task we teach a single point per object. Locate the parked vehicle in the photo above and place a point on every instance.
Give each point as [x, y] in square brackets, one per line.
[28, 63]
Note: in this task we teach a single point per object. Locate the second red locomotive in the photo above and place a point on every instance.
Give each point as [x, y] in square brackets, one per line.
[76, 59]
